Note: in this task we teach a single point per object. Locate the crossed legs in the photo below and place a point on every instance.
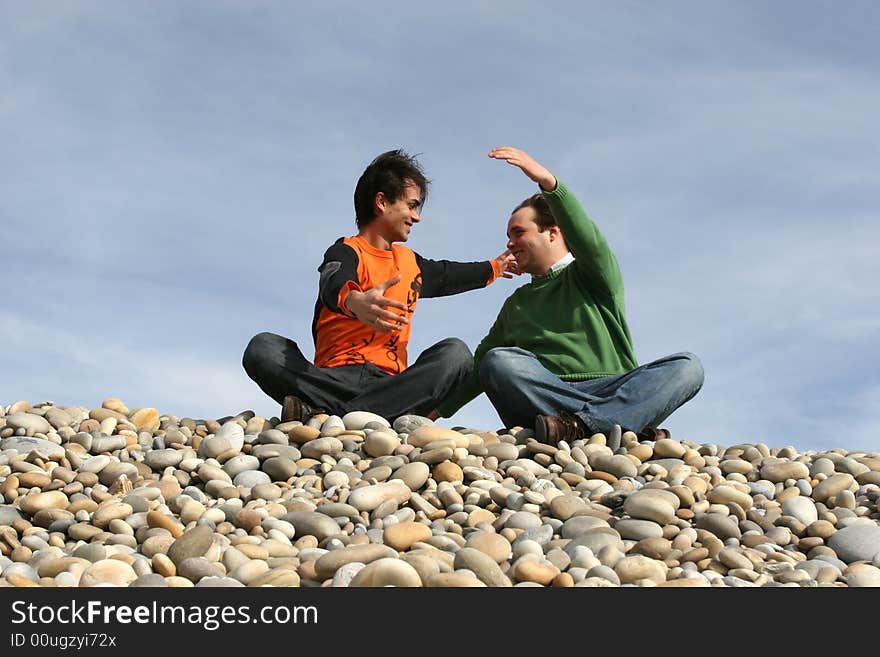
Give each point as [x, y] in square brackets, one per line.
[520, 388]
[278, 366]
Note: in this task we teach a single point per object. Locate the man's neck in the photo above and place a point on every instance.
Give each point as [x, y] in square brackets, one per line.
[564, 260]
[374, 239]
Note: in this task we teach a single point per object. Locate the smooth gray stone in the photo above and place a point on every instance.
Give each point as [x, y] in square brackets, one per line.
[765, 488]
[114, 471]
[251, 478]
[736, 582]
[356, 420]
[804, 487]
[409, 423]
[541, 535]
[265, 452]
[312, 523]
[856, 543]
[272, 437]
[107, 444]
[280, 468]
[25, 445]
[667, 463]
[523, 520]
[91, 551]
[827, 558]
[605, 573]
[159, 459]
[813, 566]
[723, 527]
[61, 525]
[23, 569]
[9, 514]
[822, 465]
[614, 438]
[337, 510]
[152, 580]
[217, 582]
[577, 525]
[595, 540]
[636, 530]
[802, 508]
[242, 463]
[392, 461]
[138, 503]
[482, 565]
[193, 543]
[31, 421]
[195, 568]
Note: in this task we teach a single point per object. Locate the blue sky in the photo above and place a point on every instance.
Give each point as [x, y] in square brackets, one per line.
[172, 174]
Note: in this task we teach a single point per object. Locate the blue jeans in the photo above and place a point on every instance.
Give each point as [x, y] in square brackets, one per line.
[520, 388]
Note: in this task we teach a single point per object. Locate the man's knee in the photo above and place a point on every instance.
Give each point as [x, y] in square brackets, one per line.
[499, 364]
[457, 354]
[690, 369]
[257, 351]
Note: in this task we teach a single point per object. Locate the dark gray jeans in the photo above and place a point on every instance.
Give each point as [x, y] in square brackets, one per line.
[277, 365]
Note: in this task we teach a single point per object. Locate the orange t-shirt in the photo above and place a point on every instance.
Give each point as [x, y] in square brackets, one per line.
[341, 339]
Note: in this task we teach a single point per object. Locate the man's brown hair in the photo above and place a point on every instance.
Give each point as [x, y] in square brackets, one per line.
[543, 215]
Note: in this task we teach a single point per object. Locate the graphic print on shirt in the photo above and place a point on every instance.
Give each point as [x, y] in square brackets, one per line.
[392, 344]
[415, 288]
[353, 354]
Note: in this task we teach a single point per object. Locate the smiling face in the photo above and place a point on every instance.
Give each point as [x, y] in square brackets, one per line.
[535, 251]
[395, 219]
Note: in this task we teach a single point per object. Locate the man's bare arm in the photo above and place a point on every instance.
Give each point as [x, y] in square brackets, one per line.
[537, 172]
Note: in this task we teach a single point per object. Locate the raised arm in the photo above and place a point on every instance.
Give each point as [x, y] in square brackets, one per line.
[592, 254]
[535, 171]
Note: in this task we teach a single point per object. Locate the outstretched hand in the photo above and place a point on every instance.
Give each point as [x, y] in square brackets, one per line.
[537, 172]
[507, 264]
[371, 307]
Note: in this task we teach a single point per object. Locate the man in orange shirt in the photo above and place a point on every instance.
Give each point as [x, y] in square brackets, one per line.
[367, 293]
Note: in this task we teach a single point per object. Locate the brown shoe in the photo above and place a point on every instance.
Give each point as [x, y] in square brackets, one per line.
[653, 434]
[550, 429]
[295, 408]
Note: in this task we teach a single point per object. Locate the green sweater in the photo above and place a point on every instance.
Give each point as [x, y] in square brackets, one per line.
[572, 319]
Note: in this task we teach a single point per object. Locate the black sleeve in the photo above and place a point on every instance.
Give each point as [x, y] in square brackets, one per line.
[440, 278]
[340, 265]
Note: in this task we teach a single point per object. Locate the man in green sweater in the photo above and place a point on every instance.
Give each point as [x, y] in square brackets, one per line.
[559, 354]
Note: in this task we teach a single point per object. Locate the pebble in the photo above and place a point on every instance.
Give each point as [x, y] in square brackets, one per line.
[24, 445]
[856, 542]
[387, 571]
[192, 543]
[112, 497]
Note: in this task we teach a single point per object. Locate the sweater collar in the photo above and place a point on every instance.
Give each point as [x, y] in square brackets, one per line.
[563, 262]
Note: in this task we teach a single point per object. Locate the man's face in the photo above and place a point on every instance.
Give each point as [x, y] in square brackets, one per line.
[529, 246]
[396, 219]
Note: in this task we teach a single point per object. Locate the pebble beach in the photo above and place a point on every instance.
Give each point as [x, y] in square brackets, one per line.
[118, 496]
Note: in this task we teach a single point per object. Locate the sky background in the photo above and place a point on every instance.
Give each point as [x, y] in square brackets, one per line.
[173, 172]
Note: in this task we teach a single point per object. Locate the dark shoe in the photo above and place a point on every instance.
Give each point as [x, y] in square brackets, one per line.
[550, 429]
[653, 434]
[295, 408]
